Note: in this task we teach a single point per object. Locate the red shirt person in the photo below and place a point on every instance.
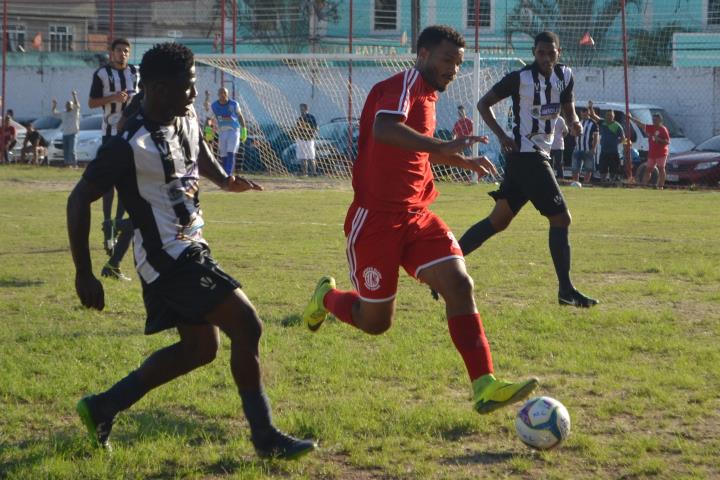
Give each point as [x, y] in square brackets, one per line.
[389, 225]
[658, 147]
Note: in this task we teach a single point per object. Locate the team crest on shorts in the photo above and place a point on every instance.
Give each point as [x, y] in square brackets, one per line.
[558, 200]
[207, 282]
[372, 277]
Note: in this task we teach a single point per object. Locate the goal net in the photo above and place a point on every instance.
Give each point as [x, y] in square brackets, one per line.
[270, 89]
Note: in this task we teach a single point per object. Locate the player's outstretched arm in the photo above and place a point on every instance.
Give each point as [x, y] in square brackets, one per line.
[391, 130]
[210, 168]
[88, 288]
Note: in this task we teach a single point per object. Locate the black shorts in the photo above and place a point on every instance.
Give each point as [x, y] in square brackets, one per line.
[188, 292]
[529, 176]
[609, 161]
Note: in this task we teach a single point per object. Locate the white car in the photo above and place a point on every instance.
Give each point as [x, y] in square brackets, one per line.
[87, 141]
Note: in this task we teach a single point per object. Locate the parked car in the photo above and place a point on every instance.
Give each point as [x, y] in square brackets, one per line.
[20, 132]
[88, 141]
[700, 166]
[338, 131]
[326, 155]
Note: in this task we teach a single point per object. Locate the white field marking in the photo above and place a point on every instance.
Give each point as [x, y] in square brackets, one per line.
[251, 222]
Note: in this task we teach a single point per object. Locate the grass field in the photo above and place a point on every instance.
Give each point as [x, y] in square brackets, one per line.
[640, 374]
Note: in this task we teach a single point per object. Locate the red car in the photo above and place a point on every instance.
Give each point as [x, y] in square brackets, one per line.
[699, 166]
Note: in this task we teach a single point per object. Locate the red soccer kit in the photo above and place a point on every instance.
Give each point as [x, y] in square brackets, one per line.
[388, 224]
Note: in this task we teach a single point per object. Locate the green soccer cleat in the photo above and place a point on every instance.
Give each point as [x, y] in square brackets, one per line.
[315, 313]
[98, 430]
[489, 393]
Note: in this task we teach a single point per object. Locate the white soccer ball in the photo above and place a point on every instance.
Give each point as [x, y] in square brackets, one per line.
[576, 184]
[543, 423]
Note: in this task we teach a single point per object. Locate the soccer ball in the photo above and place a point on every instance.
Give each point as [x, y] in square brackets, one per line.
[576, 184]
[543, 423]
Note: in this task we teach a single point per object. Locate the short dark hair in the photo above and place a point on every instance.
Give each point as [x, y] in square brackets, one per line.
[119, 41]
[432, 36]
[166, 60]
[547, 37]
[10, 112]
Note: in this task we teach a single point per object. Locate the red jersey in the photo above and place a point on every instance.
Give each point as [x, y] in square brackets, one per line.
[463, 127]
[655, 148]
[387, 178]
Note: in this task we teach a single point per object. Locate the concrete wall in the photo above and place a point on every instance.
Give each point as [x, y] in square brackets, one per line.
[687, 94]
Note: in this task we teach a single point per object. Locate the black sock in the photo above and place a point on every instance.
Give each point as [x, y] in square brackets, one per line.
[257, 411]
[476, 236]
[560, 252]
[121, 396]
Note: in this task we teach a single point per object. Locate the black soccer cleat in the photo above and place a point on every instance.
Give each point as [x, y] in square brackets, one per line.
[111, 271]
[434, 294]
[98, 428]
[280, 445]
[574, 298]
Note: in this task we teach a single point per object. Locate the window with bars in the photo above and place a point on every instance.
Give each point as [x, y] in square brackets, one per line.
[61, 38]
[485, 12]
[713, 13]
[385, 16]
[16, 36]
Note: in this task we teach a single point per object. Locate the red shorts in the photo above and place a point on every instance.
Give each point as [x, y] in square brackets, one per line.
[378, 243]
[659, 161]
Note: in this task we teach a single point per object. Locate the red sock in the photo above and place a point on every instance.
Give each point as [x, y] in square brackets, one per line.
[469, 338]
[340, 304]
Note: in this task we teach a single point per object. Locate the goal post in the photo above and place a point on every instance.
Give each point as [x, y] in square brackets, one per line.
[270, 89]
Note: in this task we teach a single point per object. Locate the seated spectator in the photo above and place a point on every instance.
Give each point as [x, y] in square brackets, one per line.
[34, 145]
[7, 138]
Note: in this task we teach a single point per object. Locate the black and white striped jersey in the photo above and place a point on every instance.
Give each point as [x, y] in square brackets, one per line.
[536, 104]
[154, 168]
[585, 142]
[108, 80]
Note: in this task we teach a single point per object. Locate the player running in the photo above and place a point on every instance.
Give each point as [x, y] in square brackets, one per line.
[155, 165]
[540, 93]
[389, 225]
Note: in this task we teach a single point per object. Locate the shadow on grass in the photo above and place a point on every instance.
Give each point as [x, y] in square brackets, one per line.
[479, 458]
[38, 251]
[291, 321]
[19, 282]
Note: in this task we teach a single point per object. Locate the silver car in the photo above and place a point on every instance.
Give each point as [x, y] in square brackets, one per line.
[87, 141]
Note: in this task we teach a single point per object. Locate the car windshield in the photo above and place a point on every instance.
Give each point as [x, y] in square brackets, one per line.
[91, 123]
[645, 116]
[710, 145]
[46, 123]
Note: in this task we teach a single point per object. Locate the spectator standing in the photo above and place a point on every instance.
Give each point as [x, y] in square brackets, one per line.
[585, 145]
[7, 137]
[70, 127]
[231, 127]
[112, 89]
[658, 147]
[305, 130]
[558, 146]
[612, 135]
[463, 128]
[34, 145]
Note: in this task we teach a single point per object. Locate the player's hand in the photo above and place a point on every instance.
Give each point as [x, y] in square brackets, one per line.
[121, 96]
[482, 166]
[507, 144]
[240, 184]
[90, 290]
[576, 129]
[461, 143]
